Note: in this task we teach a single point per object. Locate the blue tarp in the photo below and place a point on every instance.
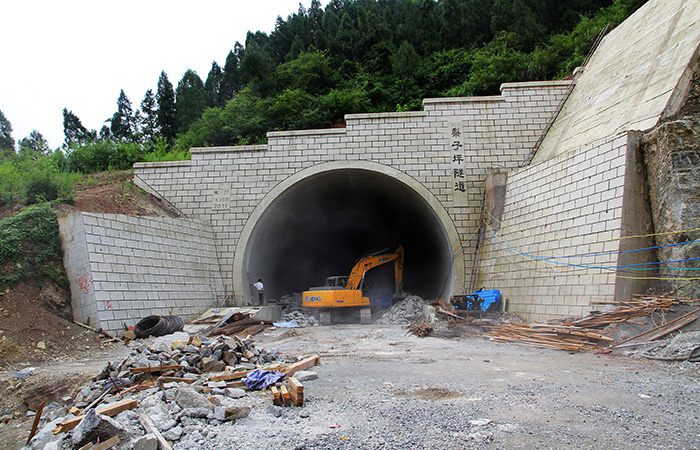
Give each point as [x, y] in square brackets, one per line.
[489, 297]
[260, 379]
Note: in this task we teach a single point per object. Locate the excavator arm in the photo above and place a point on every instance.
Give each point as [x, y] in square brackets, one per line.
[357, 275]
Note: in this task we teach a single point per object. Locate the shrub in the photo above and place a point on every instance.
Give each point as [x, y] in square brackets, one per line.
[41, 190]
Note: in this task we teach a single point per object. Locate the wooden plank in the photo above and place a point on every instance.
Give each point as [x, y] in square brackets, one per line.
[235, 384]
[109, 410]
[109, 443]
[286, 399]
[276, 399]
[37, 418]
[230, 376]
[151, 369]
[296, 391]
[671, 327]
[150, 428]
[653, 329]
[301, 365]
[176, 380]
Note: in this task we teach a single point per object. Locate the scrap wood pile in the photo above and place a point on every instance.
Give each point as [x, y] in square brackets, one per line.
[585, 334]
[167, 392]
[241, 328]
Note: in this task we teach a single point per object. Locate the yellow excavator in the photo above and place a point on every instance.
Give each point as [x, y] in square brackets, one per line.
[346, 291]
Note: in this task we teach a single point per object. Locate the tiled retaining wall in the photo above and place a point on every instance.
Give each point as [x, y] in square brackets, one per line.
[563, 221]
[123, 268]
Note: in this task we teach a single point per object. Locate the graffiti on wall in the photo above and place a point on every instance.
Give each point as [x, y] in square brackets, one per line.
[85, 282]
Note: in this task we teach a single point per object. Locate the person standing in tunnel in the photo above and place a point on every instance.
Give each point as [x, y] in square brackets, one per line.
[261, 290]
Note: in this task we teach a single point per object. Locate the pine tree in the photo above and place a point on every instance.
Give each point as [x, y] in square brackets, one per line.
[149, 116]
[231, 77]
[6, 140]
[212, 86]
[190, 99]
[123, 122]
[34, 146]
[74, 131]
[166, 113]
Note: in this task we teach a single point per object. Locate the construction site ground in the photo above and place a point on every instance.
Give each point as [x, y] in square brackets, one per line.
[379, 387]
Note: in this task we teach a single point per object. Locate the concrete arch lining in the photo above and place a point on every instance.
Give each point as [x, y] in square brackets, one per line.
[318, 221]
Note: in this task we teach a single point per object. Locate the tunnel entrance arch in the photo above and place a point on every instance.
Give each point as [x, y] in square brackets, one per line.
[317, 222]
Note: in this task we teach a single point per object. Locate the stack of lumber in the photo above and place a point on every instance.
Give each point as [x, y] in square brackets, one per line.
[242, 328]
[584, 334]
[549, 335]
[639, 306]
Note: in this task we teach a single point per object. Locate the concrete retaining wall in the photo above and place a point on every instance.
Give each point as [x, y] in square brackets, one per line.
[128, 267]
[448, 149]
[564, 220]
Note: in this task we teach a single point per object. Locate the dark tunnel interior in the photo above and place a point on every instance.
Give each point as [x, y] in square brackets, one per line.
[321, 226]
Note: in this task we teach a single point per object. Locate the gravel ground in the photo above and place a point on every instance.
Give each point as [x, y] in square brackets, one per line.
[380, 389]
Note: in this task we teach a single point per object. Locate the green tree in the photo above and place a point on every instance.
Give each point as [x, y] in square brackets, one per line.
[212, 86]
[231, 81]
[257, 64]
[149, 117]
[166, 113]
[74, 131]
[33, 146]
[123, 121]
[7, 142]
[190, 99]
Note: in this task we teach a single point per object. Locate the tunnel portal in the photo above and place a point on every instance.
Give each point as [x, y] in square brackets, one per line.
[322, 224]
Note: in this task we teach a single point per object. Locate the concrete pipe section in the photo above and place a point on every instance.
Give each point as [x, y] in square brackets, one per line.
[320, 226]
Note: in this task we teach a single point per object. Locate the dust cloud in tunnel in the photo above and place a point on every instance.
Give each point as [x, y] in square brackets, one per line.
[323, 224]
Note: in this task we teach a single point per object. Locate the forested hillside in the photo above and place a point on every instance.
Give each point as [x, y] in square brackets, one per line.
[316, 66]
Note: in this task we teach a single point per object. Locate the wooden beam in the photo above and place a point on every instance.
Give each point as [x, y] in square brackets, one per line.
[301, 365]
[286, 399]
[276, 399]
[176, 380]
[109, 443]
[147, 424]
[109, 410]
[296, 391]
[151, 369]
[35, 425]
[653, 329]
[230, 376]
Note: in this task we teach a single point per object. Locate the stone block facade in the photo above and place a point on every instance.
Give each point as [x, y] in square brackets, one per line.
[444, 152]
[566, 226]
[124, 268]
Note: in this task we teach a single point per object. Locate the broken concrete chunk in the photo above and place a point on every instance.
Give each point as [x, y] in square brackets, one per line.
[231, 413]
[173, 434]
[212, 365]
[195, 413]
[235, 392]
[147, 442]
[178, 345]
[305, 375]
[95, 426]
[189, 398]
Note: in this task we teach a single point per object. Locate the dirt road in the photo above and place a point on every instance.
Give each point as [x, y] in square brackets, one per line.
[379, 388]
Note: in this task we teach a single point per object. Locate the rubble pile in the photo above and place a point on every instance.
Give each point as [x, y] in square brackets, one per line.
[403, 312]
[683, 347]
[291, 302]
[301, 319]
[178, 387]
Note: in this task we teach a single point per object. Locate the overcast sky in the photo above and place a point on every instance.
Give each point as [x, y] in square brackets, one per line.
[78, 54]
